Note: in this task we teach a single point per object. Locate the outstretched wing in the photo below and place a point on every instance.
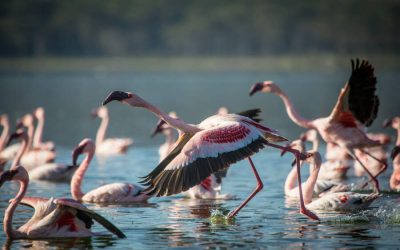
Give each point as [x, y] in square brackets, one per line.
[207, 152]
[86, 215]
[253, 114]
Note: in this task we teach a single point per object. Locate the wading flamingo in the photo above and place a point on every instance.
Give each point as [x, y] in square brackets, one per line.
[110, 193]
[108, 146]
[53, 218]
[357, 106]
[213, 145]
[395, 156]
[335, 167]
[209, 188]
[54, 172]
[37, 138]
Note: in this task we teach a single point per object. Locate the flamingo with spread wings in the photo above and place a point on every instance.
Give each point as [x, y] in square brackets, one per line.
[53, 218]
[356, 107]
[206, 148]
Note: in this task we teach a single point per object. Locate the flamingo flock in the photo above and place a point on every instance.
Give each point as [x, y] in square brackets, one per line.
[194, 159]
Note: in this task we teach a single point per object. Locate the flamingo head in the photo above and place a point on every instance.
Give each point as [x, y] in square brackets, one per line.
[25, 121]
[101, 112]
[265, 86]
[394, 122]
[39, 113]
[125, 97]
[4, 119]
[314, 159]
[18, 173]
[20, 133]
[85, 146]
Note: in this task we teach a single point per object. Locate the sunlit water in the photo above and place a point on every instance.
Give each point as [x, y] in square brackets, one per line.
[267, 221]
[175, 221]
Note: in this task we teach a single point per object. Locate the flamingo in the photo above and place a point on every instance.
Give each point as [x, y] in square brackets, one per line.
[395, 156]
[37, 138]
[3, 139]
[108, 146]
[53, 218]
[356, 107]
[379, 152]
[336, 166]
[332, 201]
[209, 188]
[54, 172]
[110, 193]
[203, 149]
[34, 157]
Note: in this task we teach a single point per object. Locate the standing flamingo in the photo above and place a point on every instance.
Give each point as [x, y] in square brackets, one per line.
[110, 193]
[54, 172]
[209, 188]
[37, 138]
[108, 146]
[53, 218]
[395, 156]
[357, 106]
[213, 145]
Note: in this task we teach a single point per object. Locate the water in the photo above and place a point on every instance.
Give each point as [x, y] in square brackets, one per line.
[267, 221]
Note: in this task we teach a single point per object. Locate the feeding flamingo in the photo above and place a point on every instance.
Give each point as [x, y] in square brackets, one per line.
[108, 146]
[209, 147]
[53, 218]
[357, 106]
[209, 188]
[332, 201]
[110, 193]
[54, 172]
[37, 138]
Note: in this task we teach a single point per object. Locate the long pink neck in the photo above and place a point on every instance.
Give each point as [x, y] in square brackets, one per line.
[293, 115]
[31, 130]
[22, 149]
[176, 123]
[398, 137]
[37, 138]
[4, 135]
[308, 186]
[101, 132]
[8, 215]
[291, 180]
[77, 179]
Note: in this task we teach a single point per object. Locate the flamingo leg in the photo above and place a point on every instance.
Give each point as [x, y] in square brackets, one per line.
[373, 178]
[299, 156]
[260, 185]
[384, 163]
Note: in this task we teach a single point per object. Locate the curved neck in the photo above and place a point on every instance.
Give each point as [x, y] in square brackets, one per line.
[22, 149]
[308, 186]
[37, 138]
[30, 135]
[4, 135]
[77, 178]
[291, 180]
[293, 115]
[101, 132]
[8, 215]
[176, 123]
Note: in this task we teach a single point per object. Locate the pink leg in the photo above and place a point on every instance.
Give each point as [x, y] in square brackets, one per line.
[373, 178]
[298, 154]
[384, 163]
[260, 185]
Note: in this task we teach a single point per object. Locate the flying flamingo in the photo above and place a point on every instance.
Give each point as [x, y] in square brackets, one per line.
[54, 172]
[110, 193]
[37, 138]
[357, 106]
[379, 152]
[53, 218]
[209, 188]
[206, 148]
[108, 146]
[395, 156]
[348, 201]
[335, 167]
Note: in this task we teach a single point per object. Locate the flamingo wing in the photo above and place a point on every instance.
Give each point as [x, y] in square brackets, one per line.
[86, 215]
[197, 156]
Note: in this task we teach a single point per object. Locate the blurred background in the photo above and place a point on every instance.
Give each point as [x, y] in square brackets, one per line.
[189, 56]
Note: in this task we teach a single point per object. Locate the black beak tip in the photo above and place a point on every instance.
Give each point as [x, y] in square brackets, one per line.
[115, 96]
[386, 123]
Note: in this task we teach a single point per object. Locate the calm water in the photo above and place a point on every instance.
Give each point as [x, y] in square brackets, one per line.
[267, 221]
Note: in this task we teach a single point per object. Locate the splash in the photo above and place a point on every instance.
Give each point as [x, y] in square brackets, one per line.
[220, 216]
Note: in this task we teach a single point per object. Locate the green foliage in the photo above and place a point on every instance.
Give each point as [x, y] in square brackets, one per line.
[199, 27]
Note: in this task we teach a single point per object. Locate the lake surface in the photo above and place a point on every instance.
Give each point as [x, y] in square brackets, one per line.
[267, 221]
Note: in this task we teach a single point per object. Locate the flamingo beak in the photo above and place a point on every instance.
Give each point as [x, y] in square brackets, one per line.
[158, 128]
[387, 122]
[255, 88]
[7, 176]
[116, 96]
[13, 136]
[395, 152]
[75, 154]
